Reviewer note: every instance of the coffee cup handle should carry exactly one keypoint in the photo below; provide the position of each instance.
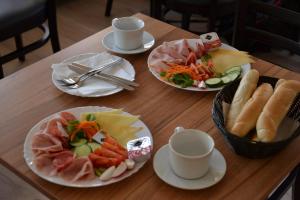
(178, 129)
(115, 20)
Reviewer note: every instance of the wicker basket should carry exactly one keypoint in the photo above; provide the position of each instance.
(245, 146)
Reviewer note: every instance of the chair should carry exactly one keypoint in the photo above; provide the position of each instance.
(108, 7)
(211, 9)
(19, 16)
(249, 29)
(292, 180)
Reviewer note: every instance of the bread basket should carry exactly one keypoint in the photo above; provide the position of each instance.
(245, 146)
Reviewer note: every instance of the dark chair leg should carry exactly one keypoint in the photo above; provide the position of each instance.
(19, 45)
(212, 16)
(185, 23)
(108, 7)
(152, 4)
(1, 70)
(290, 180)
(156, 9)
(296, 186)
(53, 26)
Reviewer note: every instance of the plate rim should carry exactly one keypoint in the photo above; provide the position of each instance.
(164, 147)
(31, 166)
(245, 68)
(129, 52)
(109, 92)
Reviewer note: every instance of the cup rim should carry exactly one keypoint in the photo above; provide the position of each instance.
(194, 156)
(135, 18)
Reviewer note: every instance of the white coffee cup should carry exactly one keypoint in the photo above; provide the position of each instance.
(189, 152)
(128, 32)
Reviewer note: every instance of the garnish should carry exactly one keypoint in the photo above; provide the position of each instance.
(163, 74)
(184, 80)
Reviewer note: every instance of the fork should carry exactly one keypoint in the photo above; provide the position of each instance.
(78, 79)
(115, 82)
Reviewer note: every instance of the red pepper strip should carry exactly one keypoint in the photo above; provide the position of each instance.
(112, 141)
(115, 149)
(100, 161)
(101, 151)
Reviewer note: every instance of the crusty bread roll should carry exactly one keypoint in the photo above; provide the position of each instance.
(241, 96)
(279, 82)
(247, 119)
(276, 109)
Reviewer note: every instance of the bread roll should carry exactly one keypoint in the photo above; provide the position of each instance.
(241, 96)
(280, 81)
(247, 119)
(276, 109)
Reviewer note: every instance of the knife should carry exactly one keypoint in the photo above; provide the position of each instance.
(85, 69)
(100, 76)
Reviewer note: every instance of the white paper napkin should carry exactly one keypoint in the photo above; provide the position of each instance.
(93, 85)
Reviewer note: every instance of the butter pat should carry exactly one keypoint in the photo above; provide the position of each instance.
(211, 41)
(139, 149)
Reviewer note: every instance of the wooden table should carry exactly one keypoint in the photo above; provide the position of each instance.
(28, 96)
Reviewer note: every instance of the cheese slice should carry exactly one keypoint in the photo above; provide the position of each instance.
(224, 59)
(117, 125)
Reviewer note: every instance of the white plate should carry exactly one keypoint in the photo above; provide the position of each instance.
(245, 68)
(164, 171)
(28, 155)
(125, 65)
(108, 43)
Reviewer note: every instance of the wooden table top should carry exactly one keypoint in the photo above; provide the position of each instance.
(28, 96)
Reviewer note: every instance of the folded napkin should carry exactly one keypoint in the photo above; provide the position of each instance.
(93, 86)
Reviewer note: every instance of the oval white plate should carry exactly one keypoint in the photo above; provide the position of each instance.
(28, 155)
(108, 43)
(125, 65)
(245, 68)
(164, 171)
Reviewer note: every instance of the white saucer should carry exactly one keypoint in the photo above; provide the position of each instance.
(108, 43)
(214, 175)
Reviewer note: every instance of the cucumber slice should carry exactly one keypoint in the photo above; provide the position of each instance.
(79, 142)
(233, 76)
(213, 82)
(226, 79)
(236, 69)
(83, 150)
(93, 145)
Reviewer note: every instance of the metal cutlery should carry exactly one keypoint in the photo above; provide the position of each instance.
(80, 83)
(79, 68)
(114, 81)
(78, 79)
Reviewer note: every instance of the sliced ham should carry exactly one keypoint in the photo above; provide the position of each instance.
(174, 52)
(184, 48)
(62, 159)
(79, 169)
(45, 143)
(68, 116)
(52, 155)
(52, 163)
(43, 163)
(55, 128)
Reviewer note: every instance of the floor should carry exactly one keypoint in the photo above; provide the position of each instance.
(14, 188)
(78, 19)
